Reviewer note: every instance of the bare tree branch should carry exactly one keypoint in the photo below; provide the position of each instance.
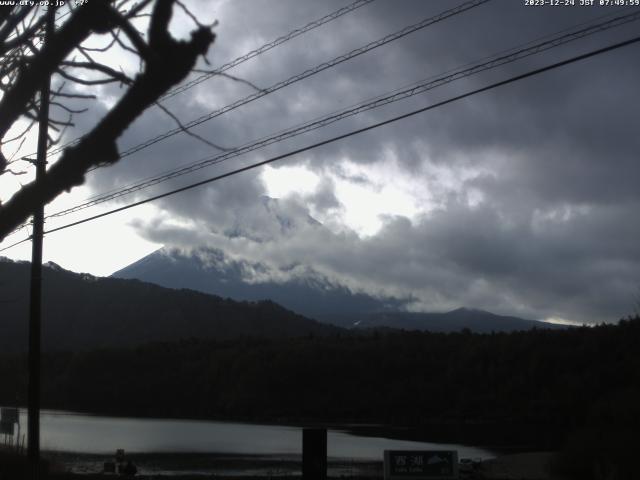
(230, 77)
(74, 95)
(82, 81)
(13, 19)
(20, 135)
(189, 132)
(136, 9)
(132, 34)
(124, 46)
(28, 33)
(101, 49)
(167, 62)
(44, 62)
(55, 141)
(189, 14)
(114, 74)
(11, 158)
(68, 109)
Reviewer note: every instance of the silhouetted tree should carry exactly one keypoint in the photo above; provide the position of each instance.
(27, 60)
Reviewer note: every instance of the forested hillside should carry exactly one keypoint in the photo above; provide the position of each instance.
(81, 311)
(558, 380)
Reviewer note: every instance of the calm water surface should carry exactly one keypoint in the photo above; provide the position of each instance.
(80, 433)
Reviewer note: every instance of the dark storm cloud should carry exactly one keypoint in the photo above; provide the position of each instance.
(552, 158)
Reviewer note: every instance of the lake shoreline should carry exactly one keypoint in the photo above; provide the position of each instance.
(81, 444)
(204, 465)
(525, 466)
(500, 437)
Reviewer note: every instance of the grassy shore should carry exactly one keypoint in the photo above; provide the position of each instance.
(191, 465)
(180, 466)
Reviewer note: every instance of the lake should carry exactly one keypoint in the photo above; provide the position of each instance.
(69, 432)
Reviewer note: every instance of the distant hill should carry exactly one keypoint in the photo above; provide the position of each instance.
(81, 311)
(478, 321)
(311, 297)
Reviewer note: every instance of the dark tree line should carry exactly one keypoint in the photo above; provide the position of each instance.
(563, 380)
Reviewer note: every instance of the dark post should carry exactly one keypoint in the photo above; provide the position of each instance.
(314, 454)
(33, 424)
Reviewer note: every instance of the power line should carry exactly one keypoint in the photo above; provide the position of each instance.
(104, 196)
(241, 59)
(510, 80)
(15, 33)
(308, 73)
(414, 89)
(16, 243)
(266, 47)
(293, 79)
(301, 76)
(248, 56)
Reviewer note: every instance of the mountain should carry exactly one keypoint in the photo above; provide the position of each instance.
(81, 311)
(478, 321)
(211, 271)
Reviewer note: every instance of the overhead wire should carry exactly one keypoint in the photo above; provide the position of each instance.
(237, 61)
(414, 84)
(266, 47)
(295, 78)
(412, 90)
(614, 22)
(247, 56)
(477, 91)
(308, 73)
(15, 244)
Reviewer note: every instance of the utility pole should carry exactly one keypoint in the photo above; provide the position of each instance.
(35, 310)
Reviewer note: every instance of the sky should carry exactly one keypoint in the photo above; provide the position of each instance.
(522, 200)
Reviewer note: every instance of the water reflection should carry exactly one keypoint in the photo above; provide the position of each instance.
(73, 432)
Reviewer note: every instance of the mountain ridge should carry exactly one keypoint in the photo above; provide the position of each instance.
(313, 297)
(473, 319)
(81, 311)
